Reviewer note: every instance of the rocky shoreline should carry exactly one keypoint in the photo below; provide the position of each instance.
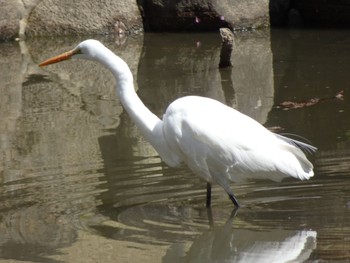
(30, 18)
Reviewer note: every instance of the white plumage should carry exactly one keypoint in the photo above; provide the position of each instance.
(218, 143)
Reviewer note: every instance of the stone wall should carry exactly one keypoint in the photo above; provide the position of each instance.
(20, 18)
(196, 15)
(57, 17)
(30, 18)
(64, 17)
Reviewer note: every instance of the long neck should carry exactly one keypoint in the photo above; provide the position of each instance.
(149, 124)
(144, 119)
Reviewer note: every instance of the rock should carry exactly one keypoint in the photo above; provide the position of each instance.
(63, 17)
(57, 17)
(10, 14)
(226, 47)
(196, 15)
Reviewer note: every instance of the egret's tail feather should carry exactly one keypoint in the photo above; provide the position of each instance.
(305, 147)
(298, 149)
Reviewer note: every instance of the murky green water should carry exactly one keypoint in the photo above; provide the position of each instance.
(79, 184)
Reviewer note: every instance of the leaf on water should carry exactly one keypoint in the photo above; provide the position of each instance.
(340, 95)
(288, 105)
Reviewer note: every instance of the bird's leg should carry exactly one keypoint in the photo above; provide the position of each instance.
(234, 200)
(210, 217)
(233, 213)
(208, 194)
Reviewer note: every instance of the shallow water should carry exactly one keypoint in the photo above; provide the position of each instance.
(79, 184)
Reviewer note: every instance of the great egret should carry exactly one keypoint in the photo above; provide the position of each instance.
(217, 142)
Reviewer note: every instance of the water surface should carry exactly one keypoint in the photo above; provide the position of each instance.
(79, 184)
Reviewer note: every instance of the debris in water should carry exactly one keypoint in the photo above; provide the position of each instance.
(289, 105)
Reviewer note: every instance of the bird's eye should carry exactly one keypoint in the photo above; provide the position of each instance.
(77, 51)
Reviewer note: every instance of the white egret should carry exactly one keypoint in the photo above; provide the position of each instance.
(218, 143)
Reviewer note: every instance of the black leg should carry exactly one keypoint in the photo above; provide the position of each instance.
(210, 217)
(234, 200)
(233, 213)
(208, 194)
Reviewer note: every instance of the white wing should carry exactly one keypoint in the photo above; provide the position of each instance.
(221, 144)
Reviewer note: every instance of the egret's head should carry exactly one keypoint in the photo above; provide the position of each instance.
(85, 50)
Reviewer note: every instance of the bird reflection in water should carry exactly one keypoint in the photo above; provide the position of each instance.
(227, 244)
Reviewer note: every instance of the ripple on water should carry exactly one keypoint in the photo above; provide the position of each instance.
(58, 190)
(166, 207)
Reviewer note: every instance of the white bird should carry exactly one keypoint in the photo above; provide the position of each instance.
(217, 143)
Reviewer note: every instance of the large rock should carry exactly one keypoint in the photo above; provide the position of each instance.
(162, 15)
(65, 17)
(10, 15)
(57, 17)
